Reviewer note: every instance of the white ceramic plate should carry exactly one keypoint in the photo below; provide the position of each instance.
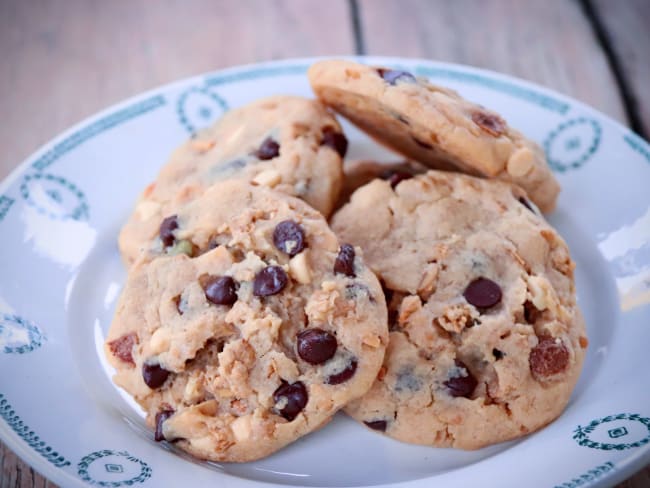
(60, 213)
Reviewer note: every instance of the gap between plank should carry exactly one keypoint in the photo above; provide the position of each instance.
(359, 44)
(630, 104)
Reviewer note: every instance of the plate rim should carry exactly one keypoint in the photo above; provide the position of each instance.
(623, 470)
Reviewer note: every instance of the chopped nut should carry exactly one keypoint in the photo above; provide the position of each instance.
(181, 247)
(328, 285)
(409, 306)
(147, 209)
(202, 146)
(584, 342)
(520, 163)
(241, 428)
(382, 373)
(269, 178)
(299, 268)
(193, 390)
(160, 340)
(427, 284)
(372, 341)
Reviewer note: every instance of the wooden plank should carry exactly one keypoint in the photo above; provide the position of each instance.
(549, 42)
(65, 59)
(626, 27)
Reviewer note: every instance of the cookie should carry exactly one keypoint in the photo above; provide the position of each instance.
(291, 144)
(357, 173)
(259, 338)
(434, 125)
(486, 339)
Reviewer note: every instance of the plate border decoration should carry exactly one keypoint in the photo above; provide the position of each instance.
(29, 436)
(86, 461)
(181, 113)
(80, 212)
(586, 155)
(36, 337)
(581, 434)
(168, 96)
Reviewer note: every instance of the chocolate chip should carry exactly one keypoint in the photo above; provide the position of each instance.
(220, 290)
(461, 386)
(295, 396)
(154, 375)
(483, 293)
(379, 425)
(526, 203)
(316, 345)
(167, 228)
(344, 262)
(122, 347)
(549, 357)
(160, 420)
(394, 176)
(269, 149)
(343, 376)
(531, 313)
(270, 281)
(490, 123)
(422, 144)
(497, 354)
(335, 140)
(289, 237)
(392, 76)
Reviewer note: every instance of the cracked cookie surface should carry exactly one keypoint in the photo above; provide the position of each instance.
(291, 144)
(434, 125)
(486, 339)
(255, 337)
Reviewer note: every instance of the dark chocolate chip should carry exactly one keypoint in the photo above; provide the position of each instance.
(422, 144)
(379, 425)
(122, 347)
(392, 76)
(289, 237)
(335, 140)
(167, 228)
(497, 354)
(160, 420)
(483, 293)
(154, 375)
(526, 203)
(394, 176)
(343, 376)
(295, 396)
(461, 386)
(490, 123)
(344, 262)
(270, 281)
(269, 149)
(531, 312)
(316, 345)
(549, 357)
(221, 290)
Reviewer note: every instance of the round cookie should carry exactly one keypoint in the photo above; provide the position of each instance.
(357, 173)
(434, 125)
(487, 341)
(292, 144)
(257, 340)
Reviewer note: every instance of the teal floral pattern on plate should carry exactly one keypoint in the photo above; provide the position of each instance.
(199, 107)
(572, 143)
(626, 430)
(17, 336)
(113, 469)
(29, 436)
(54, 196)
(591, 475)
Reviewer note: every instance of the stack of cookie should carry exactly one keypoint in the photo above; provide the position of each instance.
(438, 308)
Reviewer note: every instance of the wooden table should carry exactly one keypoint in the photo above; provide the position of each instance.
(66, 59)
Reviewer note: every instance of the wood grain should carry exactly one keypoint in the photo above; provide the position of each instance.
(549, 42)
(627, 25)
(66, 59)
